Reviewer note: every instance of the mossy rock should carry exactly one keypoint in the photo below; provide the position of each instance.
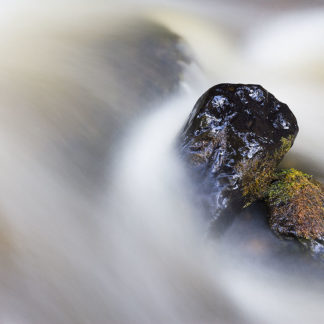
(296, 203)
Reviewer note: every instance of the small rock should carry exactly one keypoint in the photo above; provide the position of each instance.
(232, 142)
(296, 203)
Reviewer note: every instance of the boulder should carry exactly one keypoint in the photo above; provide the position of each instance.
(232, 143)
(296, 204)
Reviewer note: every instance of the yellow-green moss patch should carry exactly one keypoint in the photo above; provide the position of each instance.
(288, 183)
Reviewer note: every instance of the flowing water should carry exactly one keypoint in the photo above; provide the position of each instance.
(97, 223)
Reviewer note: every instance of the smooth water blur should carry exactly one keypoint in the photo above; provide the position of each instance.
(96, 217)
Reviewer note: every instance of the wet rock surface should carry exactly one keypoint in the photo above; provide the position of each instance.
(232, 143)
(296, 204)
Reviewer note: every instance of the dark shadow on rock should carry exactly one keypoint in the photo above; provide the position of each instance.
(250, 240)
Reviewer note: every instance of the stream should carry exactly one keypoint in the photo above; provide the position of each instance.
(97, 219)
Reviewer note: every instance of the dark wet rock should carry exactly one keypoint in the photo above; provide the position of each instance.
(296, 204)
(232, 142)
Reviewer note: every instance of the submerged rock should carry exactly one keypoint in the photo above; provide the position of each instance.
(122, 73)
(232, 142)
(296, 204)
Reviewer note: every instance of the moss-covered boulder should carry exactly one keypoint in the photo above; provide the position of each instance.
(232, 143)
(296, 204)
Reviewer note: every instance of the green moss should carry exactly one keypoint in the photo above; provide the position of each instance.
(286, 144)
(288, 184)
(256, 180)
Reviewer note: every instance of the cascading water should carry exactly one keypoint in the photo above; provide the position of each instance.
(98, 223)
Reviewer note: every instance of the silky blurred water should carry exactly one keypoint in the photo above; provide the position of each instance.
(96, 215)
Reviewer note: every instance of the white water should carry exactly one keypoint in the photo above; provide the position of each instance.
(135, 253)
